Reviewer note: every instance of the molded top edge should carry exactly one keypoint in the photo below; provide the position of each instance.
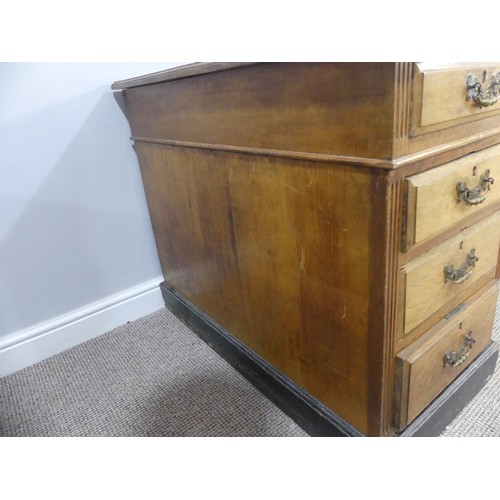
(185, 71)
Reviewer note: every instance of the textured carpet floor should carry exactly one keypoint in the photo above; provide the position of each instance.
(151, 377)
(154, 377)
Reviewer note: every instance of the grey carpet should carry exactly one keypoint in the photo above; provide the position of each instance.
(154, 377)
(150, 377)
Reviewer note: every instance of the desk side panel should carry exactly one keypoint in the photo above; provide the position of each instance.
(344, 109)
(285, 255)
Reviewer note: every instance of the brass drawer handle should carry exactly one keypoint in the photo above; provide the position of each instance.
(464, 271)
(483, 97)
(456, 358)
(478, 194)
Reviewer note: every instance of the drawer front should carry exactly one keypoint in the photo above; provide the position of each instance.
(445, 96)
(436, 277)
(443, 196)
(432, 362)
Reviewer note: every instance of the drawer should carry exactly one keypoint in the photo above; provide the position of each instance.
(446, 96)
(433, 361)
(441, 197)
(439, 275)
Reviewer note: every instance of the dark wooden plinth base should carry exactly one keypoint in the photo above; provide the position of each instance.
(309, 413)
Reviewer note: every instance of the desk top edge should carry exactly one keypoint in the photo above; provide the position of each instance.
(203, 68)
(184, 71)
(181, 72)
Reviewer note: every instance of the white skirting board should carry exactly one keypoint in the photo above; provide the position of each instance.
(26, 347)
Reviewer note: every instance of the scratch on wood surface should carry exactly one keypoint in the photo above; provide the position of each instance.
(302, 266)
(296, 191)
(328, 367)
(344, 313)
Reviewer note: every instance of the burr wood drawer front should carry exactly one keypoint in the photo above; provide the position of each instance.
(441, 274)
(444, 196)
(436, 358)
(450, 95)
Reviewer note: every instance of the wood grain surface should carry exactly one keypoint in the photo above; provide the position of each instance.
(286, 255)
(343, 109)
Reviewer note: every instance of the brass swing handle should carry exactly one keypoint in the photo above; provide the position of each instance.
(464, 271)
(456, 358)
(483, 97)
(477, 195)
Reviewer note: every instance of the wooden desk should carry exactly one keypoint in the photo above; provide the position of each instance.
(332, 229)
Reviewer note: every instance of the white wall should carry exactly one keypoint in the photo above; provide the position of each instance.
(75, 234)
